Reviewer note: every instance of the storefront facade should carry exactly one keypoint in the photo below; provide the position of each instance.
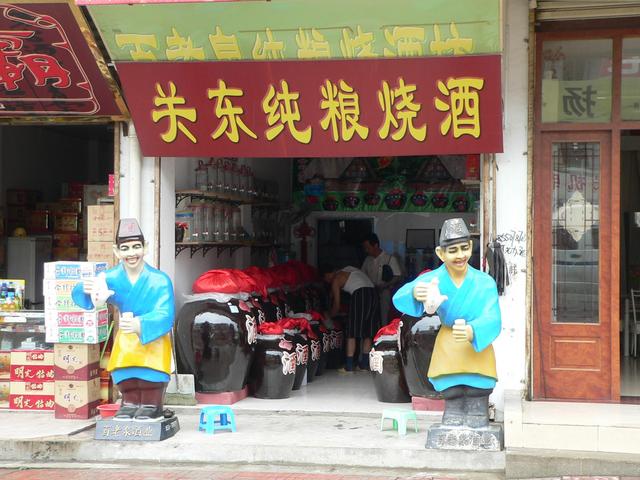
(272, 128)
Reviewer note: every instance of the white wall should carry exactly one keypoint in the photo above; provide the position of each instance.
(178, 174)
(511, 202)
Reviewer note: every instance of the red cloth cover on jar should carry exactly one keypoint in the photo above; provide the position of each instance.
(390, 329)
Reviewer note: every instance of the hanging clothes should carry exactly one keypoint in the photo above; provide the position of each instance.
(498, 268)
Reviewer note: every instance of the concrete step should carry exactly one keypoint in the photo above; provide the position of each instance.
(538, 462)
(313, 440)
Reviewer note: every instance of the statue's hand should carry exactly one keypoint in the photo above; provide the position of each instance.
(429, 294)
(129, 323)
(461, 331)
(98, 289)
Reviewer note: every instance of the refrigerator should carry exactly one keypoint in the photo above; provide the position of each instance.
(25, 260)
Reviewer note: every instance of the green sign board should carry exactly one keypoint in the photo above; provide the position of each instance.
(387, 184)
(298, 29)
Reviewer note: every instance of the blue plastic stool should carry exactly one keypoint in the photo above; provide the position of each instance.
(400, 419)
(217, 417)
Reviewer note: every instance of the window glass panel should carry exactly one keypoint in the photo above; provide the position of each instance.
(576, 81)
(630, 100)
(575, 226)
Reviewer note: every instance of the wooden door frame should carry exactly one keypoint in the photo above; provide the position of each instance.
(615, 128)
(608, 267)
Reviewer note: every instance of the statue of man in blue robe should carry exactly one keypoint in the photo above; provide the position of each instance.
(463, 366)
(140, 362)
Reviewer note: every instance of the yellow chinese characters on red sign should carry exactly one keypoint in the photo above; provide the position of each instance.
(309, 107)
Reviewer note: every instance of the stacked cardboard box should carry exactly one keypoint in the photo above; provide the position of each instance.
(32, 380)
(100, 233)
(65, 322)
(76, 334)
(77, 380)
(5, 372)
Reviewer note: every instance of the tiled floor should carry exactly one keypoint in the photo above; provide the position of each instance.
(630, 376)
(330, 392)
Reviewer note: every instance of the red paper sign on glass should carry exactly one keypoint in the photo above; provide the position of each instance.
(408, 106)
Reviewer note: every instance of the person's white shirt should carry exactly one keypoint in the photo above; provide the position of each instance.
(372, 266)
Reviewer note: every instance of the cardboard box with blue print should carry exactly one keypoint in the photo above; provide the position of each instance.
(72, 270)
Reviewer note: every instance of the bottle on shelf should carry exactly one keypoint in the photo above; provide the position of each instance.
(218, 216)
(226, 223)
(227, 175)
(198, 230)
(201, 176)
(209, 225)
(212, 175)
(236, 225)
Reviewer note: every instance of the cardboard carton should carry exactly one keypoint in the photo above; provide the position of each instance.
(100, 223)
(73, 270)
(31, 366)
(101, 252)
(65, 222)
(5, 365)
(32, 395)
(77, 399)
(80, 318)
(95, 334)
(4, 393)
(76, 362)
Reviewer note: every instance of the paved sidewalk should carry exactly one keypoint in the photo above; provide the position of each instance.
(137, 473)
(206, 474)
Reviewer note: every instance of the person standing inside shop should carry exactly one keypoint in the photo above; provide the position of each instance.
(364, 310)
(383, 270)
(463, 364)
(140, 362)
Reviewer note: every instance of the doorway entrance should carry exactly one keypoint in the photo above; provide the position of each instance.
(572, 286)
(629, 264)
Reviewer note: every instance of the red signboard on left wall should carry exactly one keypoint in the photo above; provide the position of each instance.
(47, 67)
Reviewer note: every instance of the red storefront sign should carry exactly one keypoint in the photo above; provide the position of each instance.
(46, 66)
(408, 106)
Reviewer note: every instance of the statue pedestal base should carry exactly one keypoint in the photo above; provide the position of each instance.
(108, 429)
(448, 437)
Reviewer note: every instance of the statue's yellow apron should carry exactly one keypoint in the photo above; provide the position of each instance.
(451, 357)
(129, 352)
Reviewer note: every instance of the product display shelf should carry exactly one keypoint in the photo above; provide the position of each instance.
(18, 327)
(222, 197)
(194, 247)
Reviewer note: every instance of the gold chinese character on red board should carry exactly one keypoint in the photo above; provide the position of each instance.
(282, 110)
(343, 108)
(462, 104)
(168, 102)
(230, 116)
(400, 110)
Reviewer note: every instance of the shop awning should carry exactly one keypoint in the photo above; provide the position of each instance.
(50, 67)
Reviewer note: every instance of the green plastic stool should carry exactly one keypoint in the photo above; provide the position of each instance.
(400, 419)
